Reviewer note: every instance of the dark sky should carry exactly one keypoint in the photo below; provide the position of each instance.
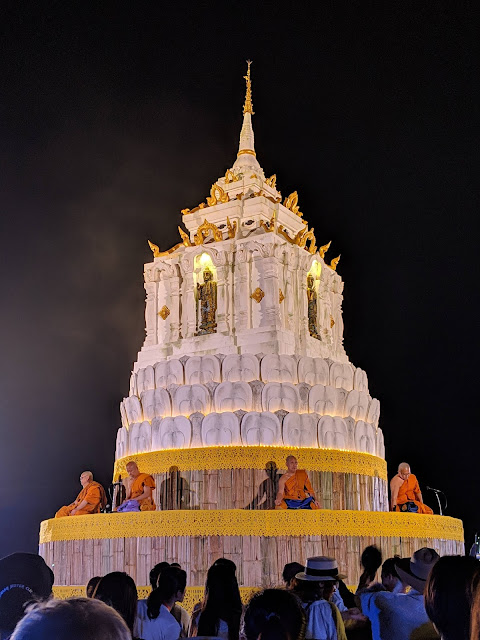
(116, 115)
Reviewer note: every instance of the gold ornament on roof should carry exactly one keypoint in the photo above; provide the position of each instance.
(185, 212)
(269, 226)
(272, 181)
(334, 262)
(204, 230)
(323, 250)
(164, 312)
(248, 106)
(291, 203)
(281, 297)
(307, 236)
(232, 228)
(155, 249)
(258, 295)
(214, 199)
(185, 237)
(231, 177)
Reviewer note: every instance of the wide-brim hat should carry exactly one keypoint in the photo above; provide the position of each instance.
(320, 569)
(24, 577)
(414, 571)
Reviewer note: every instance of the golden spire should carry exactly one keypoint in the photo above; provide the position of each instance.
(248, 107)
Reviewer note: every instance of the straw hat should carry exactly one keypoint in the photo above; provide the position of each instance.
(320, 569)
(414, 571)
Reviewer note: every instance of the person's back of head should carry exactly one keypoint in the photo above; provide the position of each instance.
(118, 590)
(290, 570)
(71, 619)
(274, 614)
(222, 601)
(371, 559)
(226, 562)
(448, 595)
(390, 578)
(155, 572)
(170, 588)
(92, 585)
(24, 578)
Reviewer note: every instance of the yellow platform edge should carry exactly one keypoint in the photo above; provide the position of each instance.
(237, 522)
(254, 457)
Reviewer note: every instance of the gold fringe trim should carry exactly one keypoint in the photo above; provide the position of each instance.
(236, 522)
(255, 457)
(192, 594)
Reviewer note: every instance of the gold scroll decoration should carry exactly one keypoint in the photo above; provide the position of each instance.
(185, 238)
(324, 248)
(160, 254)
(232, 228)
(231, 177)
(272, 181)
(291, 203)
(204, 230)
(334, 262)
(217, 195)
(269, 226)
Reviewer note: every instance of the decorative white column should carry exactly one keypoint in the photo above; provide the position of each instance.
(150, 314)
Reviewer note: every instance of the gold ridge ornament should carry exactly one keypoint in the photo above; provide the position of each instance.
(272, 181)
(232, 228)
(334, 262)
(204, 230)
(213, 199)
(291, 203)
(268, 227)
(185, 237)
(323, 249)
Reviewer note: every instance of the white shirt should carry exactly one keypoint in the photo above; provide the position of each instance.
(165, 627)
(320, 621)
(394, 616)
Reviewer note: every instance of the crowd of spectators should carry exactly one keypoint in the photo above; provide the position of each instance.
(418, 598)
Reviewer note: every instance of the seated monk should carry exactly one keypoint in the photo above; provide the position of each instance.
(404, 488)
(91, 498)
(294, 489)
(139, 487)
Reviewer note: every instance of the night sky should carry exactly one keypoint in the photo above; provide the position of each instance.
(114, 116)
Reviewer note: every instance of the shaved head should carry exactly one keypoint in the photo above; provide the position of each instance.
(89, 474)
(403, 465)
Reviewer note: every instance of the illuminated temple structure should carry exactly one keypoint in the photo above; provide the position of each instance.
(243, 363)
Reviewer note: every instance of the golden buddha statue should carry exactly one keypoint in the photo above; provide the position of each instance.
(312, 307)
(207, 299)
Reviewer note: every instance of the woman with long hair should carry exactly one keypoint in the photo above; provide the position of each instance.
(118, 590)
(274, 614)
(221, 609)
(160, 623)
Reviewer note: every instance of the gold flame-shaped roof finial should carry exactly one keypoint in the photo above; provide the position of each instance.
(248, 107)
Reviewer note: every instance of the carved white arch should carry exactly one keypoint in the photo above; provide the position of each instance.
(140, 437)
(275, 368)
(123, 415)
(240, 368)
(168, 372)
(280, 396)
(356, 404)
(156, 403)
(221, 429)
(322, 400)
(121, 449)
(233, 396)
(341, 375)
(300, 430)
(202, 369)
(373, 413)
(133, 409)
(313, 371)
(171, 433)
(261, 428)
(145, 379)
(360, 381)
(191, 398)
(365, 437)
(333, 433)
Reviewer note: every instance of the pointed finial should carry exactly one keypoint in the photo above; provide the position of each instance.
(248, 107)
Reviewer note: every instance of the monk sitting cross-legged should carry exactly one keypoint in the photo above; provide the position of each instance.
(139, 488)
(404, 488)
(294, 489)
(90, 499)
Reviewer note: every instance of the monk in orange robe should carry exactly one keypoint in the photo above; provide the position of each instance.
(294, 489)
(90, 499)
(404, 488)
(139, 487)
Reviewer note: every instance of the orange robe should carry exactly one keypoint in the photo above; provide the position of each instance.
(295, 488)
(93, 493)
(407, 493)
(143, 479)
